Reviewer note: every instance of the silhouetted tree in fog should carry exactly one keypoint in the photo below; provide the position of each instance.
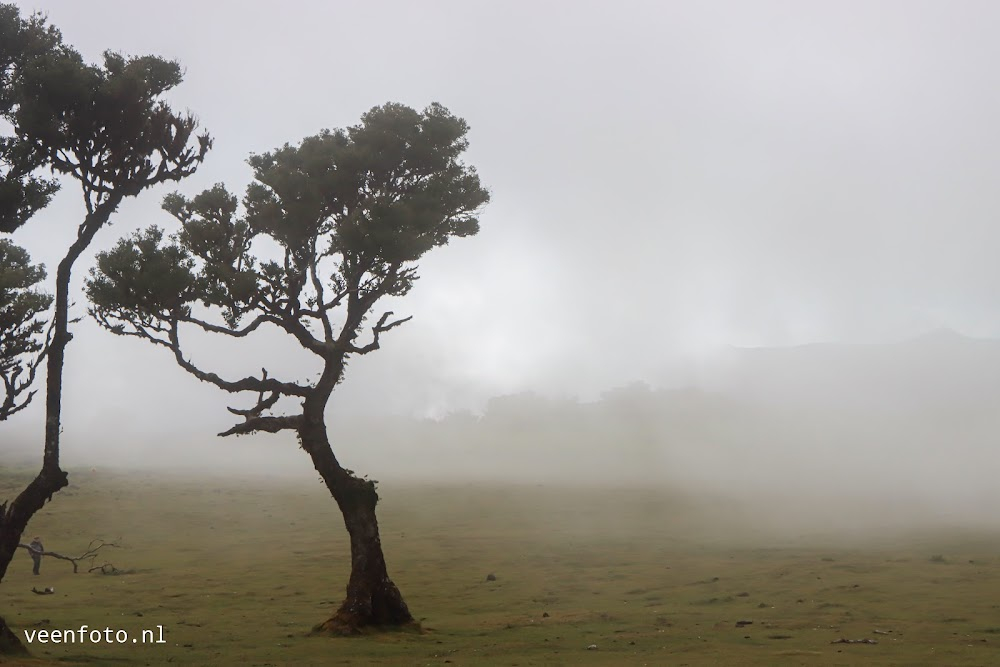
(22, 194)
(352, 212)
(105, 127)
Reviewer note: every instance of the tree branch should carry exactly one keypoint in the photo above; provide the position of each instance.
(246, 384)
(262, 402)
(266, 424)
(379, 328)
(324, 316)
(235, 333)
(90, 554)
(137, 331)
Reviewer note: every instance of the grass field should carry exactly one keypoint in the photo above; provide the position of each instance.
(237, 571)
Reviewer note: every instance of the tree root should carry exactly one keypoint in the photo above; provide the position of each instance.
(344, 624)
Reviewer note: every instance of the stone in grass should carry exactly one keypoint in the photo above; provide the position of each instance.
(491, 577)
(592, 647)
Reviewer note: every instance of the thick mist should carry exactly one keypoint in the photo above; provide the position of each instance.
(733, 249)
(850, 438)
(839, 435)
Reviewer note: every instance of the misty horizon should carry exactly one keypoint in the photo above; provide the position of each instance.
(907, 428)
(768, 204)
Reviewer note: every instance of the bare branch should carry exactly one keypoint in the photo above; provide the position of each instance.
(317, 284)
(119, 328)
(302, 334)
(93, 549)
(266, 424)
(246, 384)
(262, 402)
(235, 333)
(379, 328)
(14, 388)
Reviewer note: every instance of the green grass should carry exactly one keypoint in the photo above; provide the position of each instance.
(238, 571)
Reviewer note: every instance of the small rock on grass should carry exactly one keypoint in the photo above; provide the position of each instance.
(592, 647)
(491, 577)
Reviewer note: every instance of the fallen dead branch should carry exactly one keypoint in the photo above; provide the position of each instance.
(91, 554)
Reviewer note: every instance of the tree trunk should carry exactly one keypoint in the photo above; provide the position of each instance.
(373, 600)
(13, 520)
(9, 643)
(51, 478)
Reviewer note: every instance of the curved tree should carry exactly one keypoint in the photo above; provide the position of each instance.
(352, 212)
(107, 127)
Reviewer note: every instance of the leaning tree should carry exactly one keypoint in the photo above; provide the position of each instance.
(346, 215)
(107, 127)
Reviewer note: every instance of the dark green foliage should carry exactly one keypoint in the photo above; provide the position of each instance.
(23, 42)
(160, 277)
(21, 306)
(106, 126)
(352, 210)
(388, 190)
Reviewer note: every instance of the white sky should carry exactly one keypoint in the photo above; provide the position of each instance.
(667, 177)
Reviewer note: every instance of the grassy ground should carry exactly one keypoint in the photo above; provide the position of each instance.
(236, 572)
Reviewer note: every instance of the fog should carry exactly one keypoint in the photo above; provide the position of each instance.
(733, 247)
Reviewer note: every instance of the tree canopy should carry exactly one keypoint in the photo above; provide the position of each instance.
(106, 126)
(23, 42)
(351, 211)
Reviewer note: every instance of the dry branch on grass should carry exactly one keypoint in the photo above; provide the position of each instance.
(91, 554)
